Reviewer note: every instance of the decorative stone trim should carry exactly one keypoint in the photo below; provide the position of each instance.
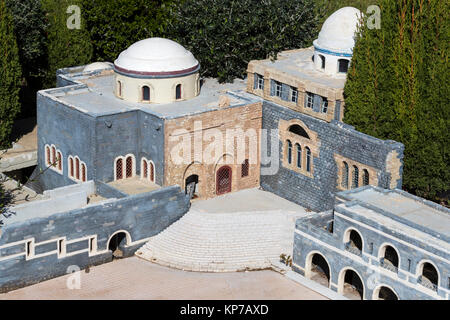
(373, 173)
(393, 166)
(313, 143)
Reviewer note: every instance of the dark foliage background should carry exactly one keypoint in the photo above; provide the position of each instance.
(398, 88)
(226, 34)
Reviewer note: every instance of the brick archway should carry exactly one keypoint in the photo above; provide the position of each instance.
(223, 180)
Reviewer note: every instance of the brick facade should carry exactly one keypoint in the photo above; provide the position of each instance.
(199, 130)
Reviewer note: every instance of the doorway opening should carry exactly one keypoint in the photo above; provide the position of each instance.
(351, 285)
(223, 179)
(191, 188)
(116, 244)
(319, 270)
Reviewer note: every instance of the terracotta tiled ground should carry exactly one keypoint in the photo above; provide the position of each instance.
(135, 278)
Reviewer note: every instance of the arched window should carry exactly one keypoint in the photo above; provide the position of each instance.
(71, 171)
(298, 130)
(343, 65)
(83, 172)
(145, 93)
(59, 160)
(129, 167)
(152, 171)
(308, 159)
(429, 277)
(389, 258)
(119, 88)
(178, 92)
(355, 179)
(77, 168)
(289, 151)
(322, 61)
(245, 168)
(144, 167)
(47, 153)
(385, 293)
(353, 242)
(299, 155)
(119, 169)
(54, 156)
(366, 178)
(345, 175)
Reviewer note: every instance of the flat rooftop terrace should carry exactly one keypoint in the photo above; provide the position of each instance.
(94, 95)
(299, 63)
(134, 185)
(411, 214)
(29, 205)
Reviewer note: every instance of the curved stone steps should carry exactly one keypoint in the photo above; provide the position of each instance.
(222, 242)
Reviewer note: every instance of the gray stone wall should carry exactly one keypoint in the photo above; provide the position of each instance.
(318, 193)
(71, 132)
(97, 141)
(332, 247)
(141, 216)
(151, 143)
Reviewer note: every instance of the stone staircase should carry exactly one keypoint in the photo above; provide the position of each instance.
(223, 242)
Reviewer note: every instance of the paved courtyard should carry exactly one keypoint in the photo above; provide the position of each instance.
(134, 278)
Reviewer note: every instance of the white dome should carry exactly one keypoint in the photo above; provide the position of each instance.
(97, 66)
(338, 31)
(155, 55)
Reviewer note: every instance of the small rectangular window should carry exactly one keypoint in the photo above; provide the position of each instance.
(371, 248)
(259, 82)
(61, 246)
(343, 65)
(294, 94)
(28, 249)
(324, 105)
(309, 100)
(91, 245)
(409, 264)
(245, 168)
(278, 89)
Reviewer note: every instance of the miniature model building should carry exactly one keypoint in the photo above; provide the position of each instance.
(114, 134)
(123, 121)
(377, 244)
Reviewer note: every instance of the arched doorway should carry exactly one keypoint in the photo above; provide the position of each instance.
(389, 258)
(353, 242)
(429, 276)
(318, 269)
(191, 186)
(384, 293)
(351, 285)
(115, 243)
(223, 180)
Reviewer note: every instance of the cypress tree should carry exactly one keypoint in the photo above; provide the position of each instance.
(397, 88)
(29, 30)
(66, 47)
(10, 75)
